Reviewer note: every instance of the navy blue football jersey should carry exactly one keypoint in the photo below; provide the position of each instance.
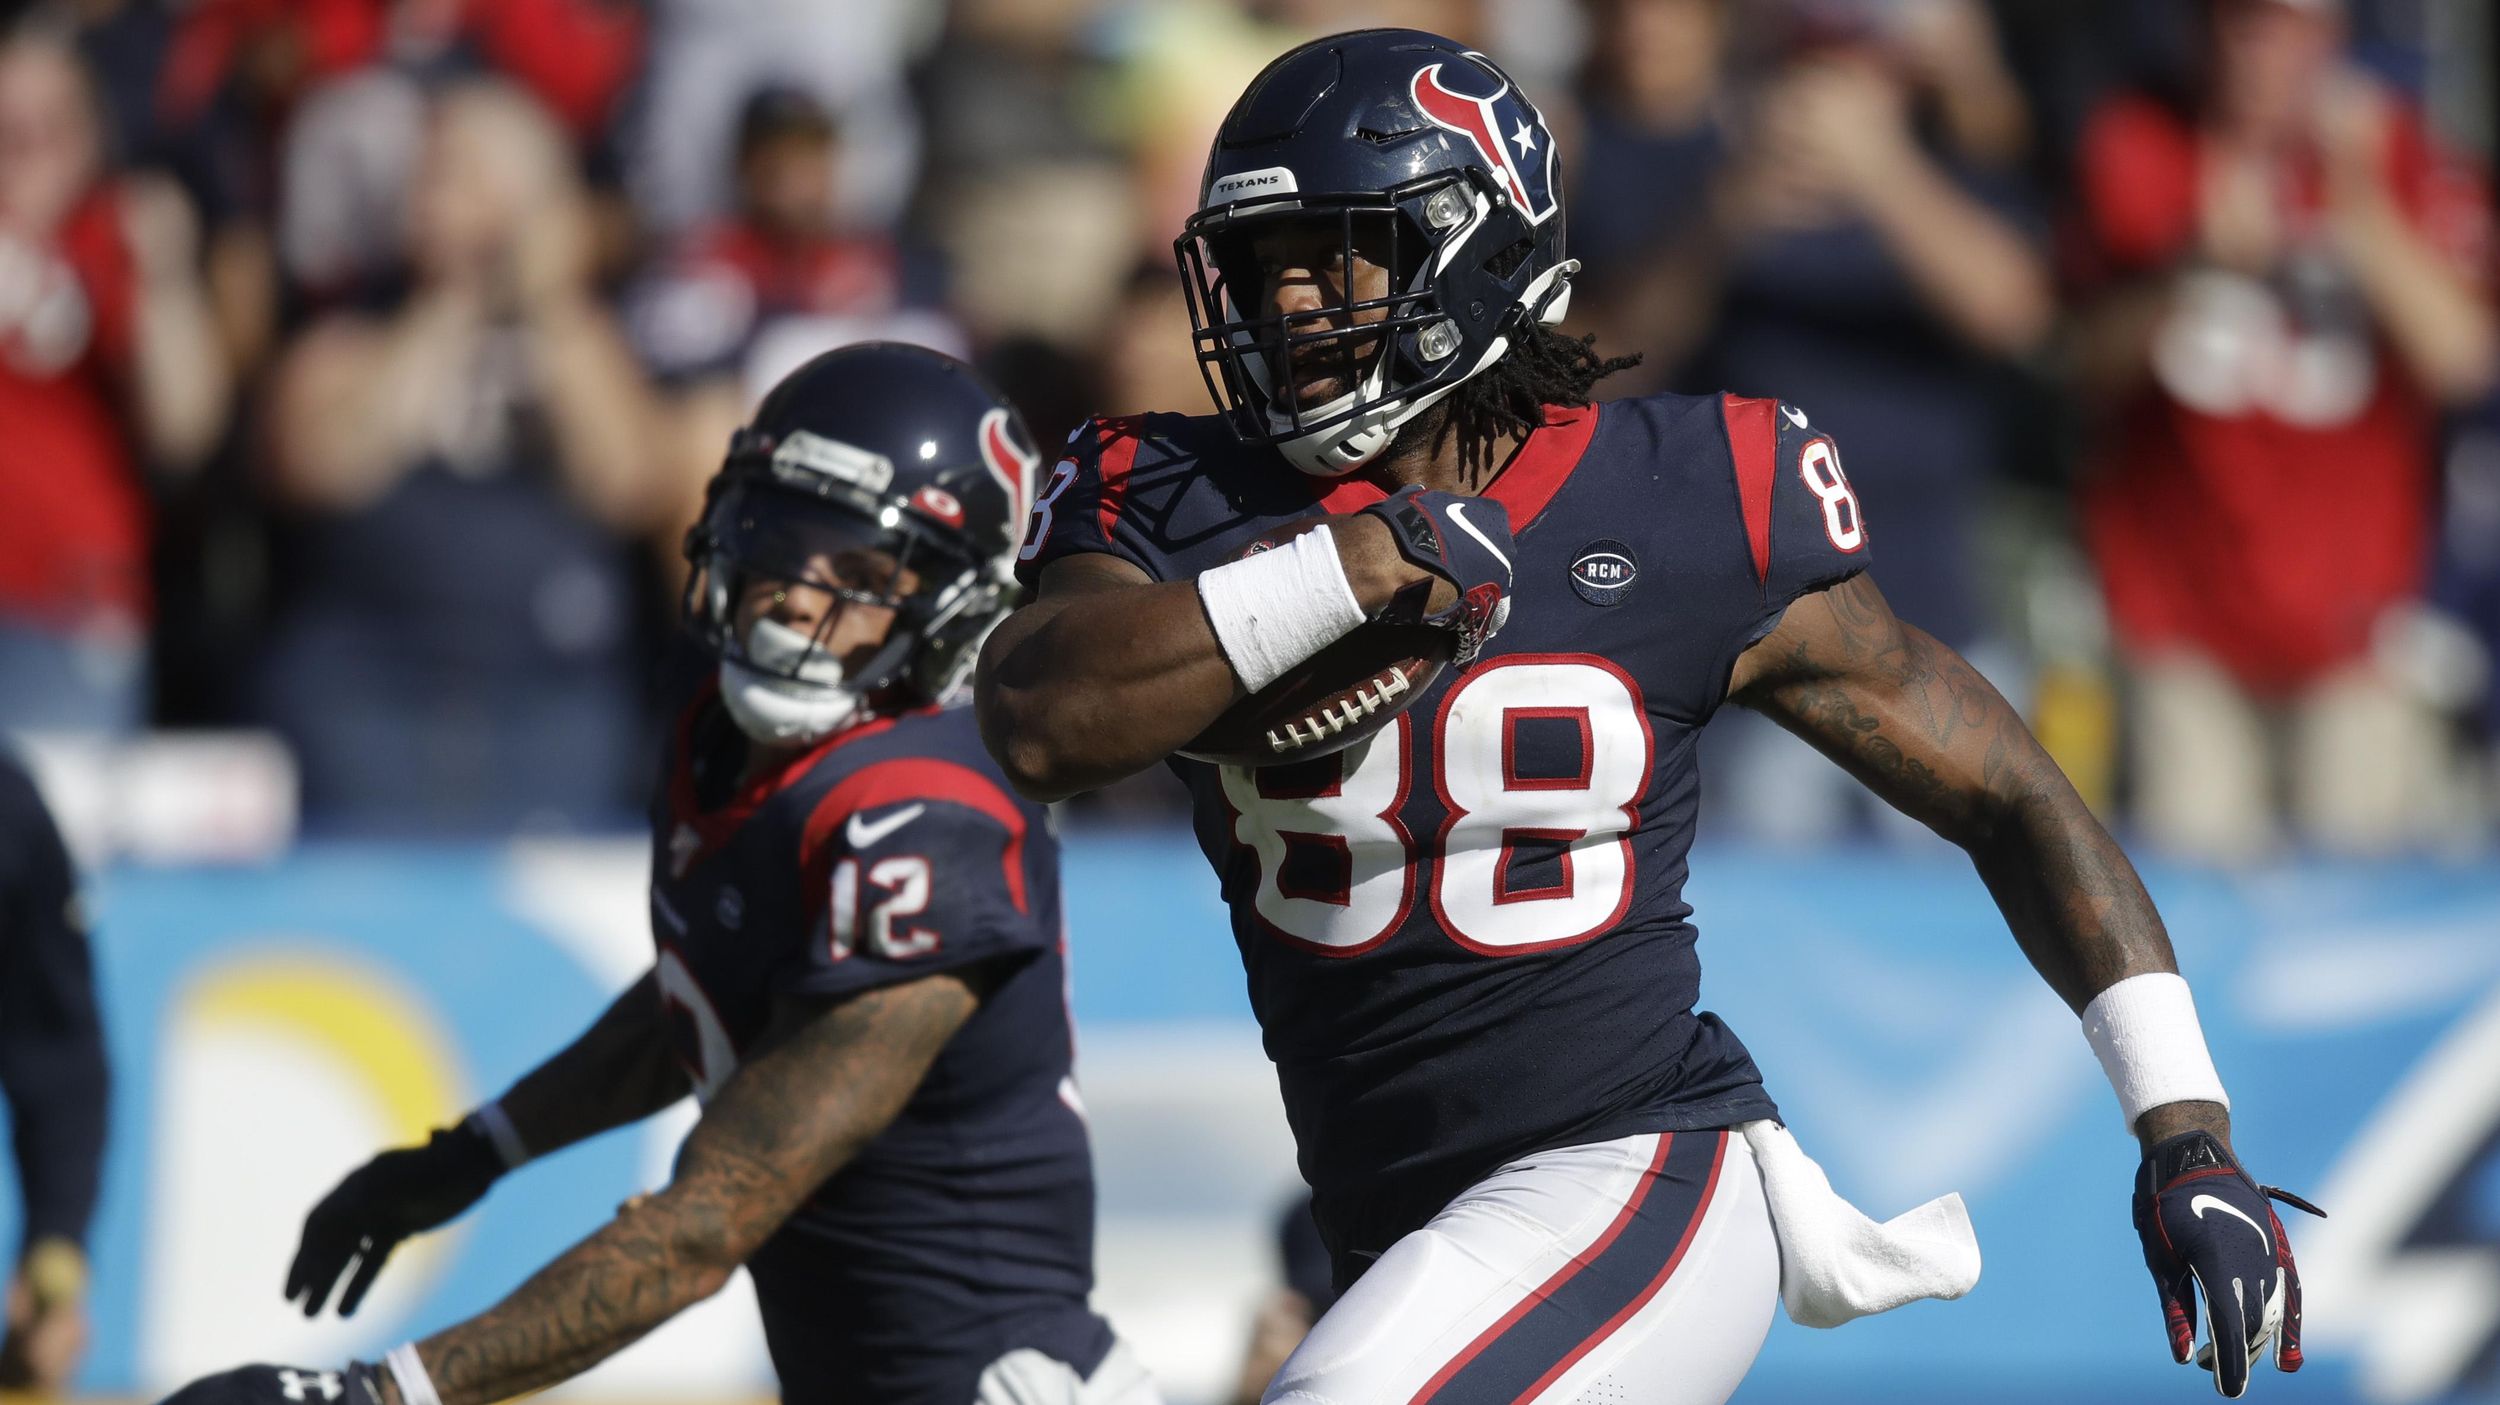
(891, 851)
(1466, 938)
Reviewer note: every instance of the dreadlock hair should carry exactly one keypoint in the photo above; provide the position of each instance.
(1542, 367)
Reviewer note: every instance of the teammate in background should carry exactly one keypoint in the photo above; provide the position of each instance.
(53, 1070)
(859, 969)
(1465, 936)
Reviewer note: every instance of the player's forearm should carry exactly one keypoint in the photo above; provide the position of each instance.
(832, 1078)
(1079, 693)
(1968, 765)
(2068, 893)
(653, 1261)
(2083, 918)
(1923, 729)
(619, 1071)
(1104, 676)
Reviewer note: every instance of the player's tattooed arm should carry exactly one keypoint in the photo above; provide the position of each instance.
(620, 1070)
(828, 1081)
(1914, 721)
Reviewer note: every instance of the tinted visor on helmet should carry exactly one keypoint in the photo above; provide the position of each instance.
(1363, 338)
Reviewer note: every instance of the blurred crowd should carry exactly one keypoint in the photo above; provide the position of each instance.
(361, 361)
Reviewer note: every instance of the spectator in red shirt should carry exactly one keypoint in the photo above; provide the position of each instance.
(108, 365)
(2282, 303)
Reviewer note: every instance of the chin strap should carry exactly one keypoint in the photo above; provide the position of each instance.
(1342, 448)
(770, 709)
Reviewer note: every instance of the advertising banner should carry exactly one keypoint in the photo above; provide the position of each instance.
(273, 1026)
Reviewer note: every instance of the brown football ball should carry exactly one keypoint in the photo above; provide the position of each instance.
(1331, 700)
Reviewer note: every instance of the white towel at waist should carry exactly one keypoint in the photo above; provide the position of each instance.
(1835, 1263)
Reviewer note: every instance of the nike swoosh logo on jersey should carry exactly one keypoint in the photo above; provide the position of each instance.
(1458, 512)
(863, 834)
(2198, 1205)
(1795, 417)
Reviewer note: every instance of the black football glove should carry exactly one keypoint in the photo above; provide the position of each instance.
(396, 1194)
(2208, 1231)
(1465, 541)
(359, 1384)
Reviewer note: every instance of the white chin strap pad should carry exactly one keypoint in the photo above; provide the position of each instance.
(1340, 449)
(1336, 452)
(771, 708)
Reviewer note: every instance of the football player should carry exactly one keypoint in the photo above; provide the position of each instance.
(858, 970)
(1465, 935)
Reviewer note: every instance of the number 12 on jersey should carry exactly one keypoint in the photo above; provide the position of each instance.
(1350, 827)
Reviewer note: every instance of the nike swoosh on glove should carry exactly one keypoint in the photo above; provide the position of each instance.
(359, 1384)
(2208, 1231)
(1465, 541)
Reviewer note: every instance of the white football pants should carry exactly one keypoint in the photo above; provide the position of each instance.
(1641, 1271)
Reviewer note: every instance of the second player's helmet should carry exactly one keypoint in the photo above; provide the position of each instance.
(1405, 135)
(880, 452)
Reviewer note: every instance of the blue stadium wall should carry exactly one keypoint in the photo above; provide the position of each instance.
(270, 1025)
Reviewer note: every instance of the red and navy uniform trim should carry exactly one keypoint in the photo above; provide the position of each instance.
(1115, 445)
(1548, 1333)
(1753, 436)
(1524, 487)
(895, 782)
(712, 828)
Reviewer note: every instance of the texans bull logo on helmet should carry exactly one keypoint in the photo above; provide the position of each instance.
(1009, 462)
(1504, 127)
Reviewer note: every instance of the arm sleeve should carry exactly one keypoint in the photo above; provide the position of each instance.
(939, 886)
(52, 1062)
(1083, 505)
(1805, 529)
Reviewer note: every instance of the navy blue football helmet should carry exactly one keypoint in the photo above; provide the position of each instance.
(879, 453)
(1426, 157)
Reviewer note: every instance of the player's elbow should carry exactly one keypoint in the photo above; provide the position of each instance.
(1040, 769)
(1012, 702)
(1025, 728)
(2017, 816)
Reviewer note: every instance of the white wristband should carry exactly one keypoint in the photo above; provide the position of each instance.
(501, 1134)
(2145, 1031)
(1275, 609)
(415, 1386)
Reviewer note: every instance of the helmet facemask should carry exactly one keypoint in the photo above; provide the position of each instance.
(776, 570)
(1411, 352)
